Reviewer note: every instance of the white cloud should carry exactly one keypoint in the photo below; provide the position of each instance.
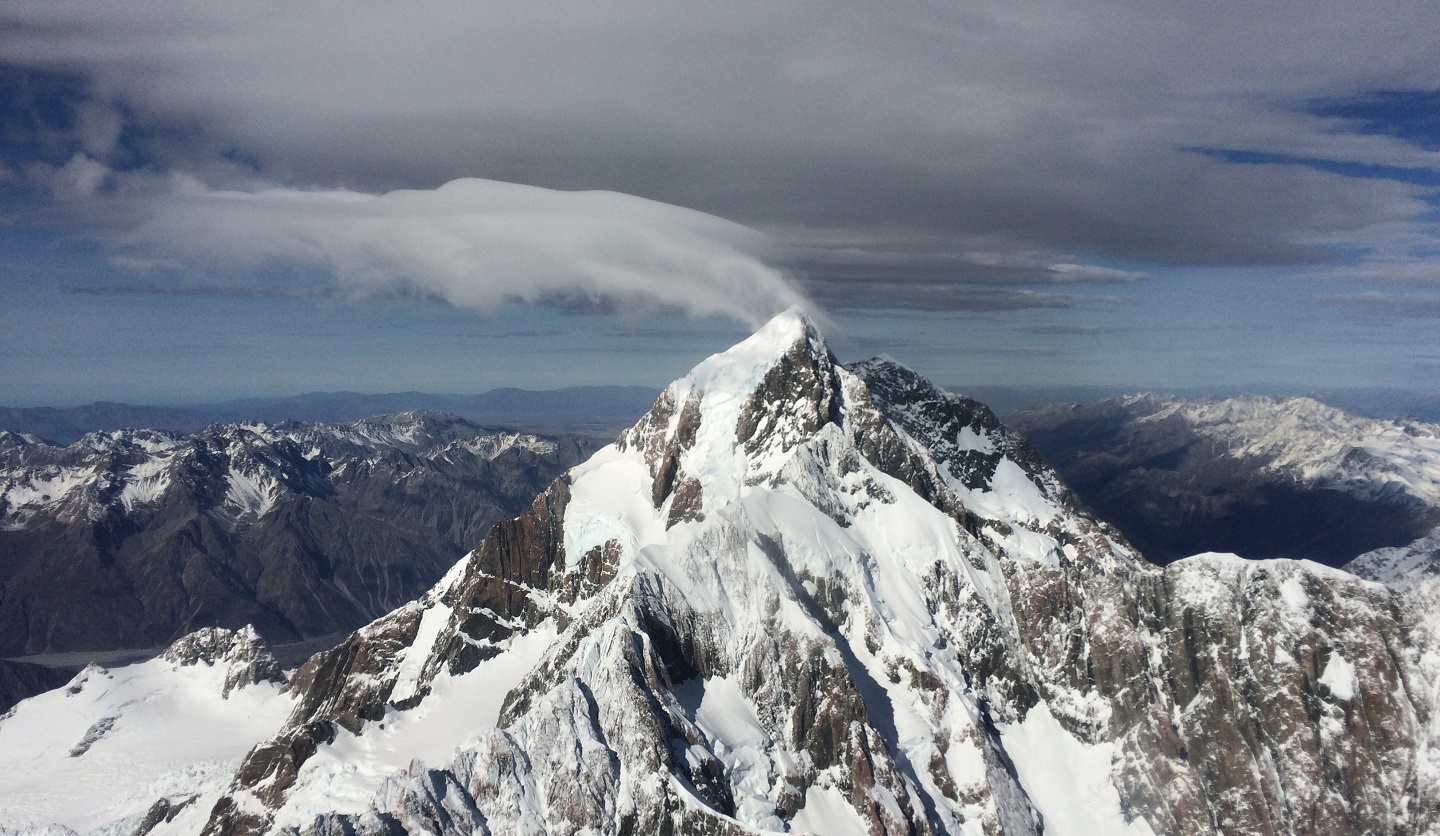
(77, 179)
(476, 244)
(1091, 273)
(98, 127)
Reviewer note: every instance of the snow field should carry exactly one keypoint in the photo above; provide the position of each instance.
(170, 733)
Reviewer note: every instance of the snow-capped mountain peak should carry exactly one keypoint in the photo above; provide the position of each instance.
(797, 597)
(766, 511)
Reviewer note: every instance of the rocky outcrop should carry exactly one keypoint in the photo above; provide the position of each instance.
(485, 600)
(130, 539)
(242, 653)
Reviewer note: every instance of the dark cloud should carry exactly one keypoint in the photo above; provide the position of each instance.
(985, 143)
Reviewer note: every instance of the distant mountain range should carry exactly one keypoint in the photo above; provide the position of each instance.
(591, 410)
(1371, 402)
(597, 411)
(131, 538)
(1259, 476)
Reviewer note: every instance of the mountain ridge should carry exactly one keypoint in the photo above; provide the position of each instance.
(955, 647)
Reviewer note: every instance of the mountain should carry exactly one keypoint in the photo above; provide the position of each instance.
(592, 410)
(799, 597)
(1262, 477)
(1413, 572)
(131, 538)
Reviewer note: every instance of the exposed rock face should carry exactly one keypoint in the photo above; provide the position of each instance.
(241, 652)
(20, 680)
(878, 611)
(1412, 573)
(132, 538)
(1261, 477)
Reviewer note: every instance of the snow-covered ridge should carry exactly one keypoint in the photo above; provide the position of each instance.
(1402, 567)
(258, 462)
(300, 529)
(1313, 443)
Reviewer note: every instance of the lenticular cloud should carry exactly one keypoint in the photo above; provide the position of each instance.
(478, 244)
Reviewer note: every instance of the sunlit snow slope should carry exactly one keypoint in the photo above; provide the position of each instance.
(145, 748)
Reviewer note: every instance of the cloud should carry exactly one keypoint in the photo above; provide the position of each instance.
(200, 291)
(891, 144)
(1388, 305)
(1400, 269)
(850, 258)
(477, 244)
(98, 127)
(79, 178)
(1063, 330)
(946, 296)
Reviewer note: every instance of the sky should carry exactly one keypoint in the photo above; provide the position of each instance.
(203, 201)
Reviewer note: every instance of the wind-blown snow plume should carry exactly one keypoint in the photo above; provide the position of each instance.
(478, 244)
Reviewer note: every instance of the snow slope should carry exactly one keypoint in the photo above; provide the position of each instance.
(100, 753)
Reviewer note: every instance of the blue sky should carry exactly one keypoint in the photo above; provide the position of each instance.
(202, 203)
